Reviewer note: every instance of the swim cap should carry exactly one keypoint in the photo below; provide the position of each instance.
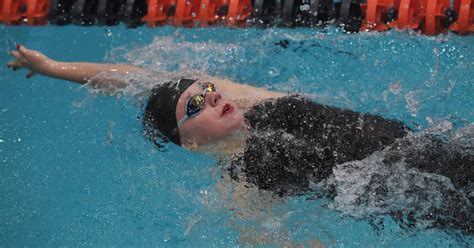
(160, 112)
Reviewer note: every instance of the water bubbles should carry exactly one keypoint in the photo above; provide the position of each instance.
(273, 72)
(375, 186)
(110, 136)
(304, 7)
(429, 120)
(438, 127)
(192, 221)
(396, 87)
(413, 103)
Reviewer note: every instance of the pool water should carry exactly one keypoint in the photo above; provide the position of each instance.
(76, 170)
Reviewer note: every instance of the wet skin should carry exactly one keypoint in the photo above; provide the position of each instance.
(219, 119)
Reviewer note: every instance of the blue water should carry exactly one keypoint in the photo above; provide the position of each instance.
(75, 169)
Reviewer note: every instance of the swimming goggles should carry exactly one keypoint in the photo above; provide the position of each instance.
(196, 103)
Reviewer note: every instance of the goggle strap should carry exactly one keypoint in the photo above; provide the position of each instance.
(181, 122)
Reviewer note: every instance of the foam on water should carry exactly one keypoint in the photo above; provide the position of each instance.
(372, 187)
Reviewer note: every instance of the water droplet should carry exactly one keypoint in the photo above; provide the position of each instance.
(396, 87)
(273, 72)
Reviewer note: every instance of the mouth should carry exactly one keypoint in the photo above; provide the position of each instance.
(227, 109)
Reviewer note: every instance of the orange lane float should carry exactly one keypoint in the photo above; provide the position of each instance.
(12, 11)
(159, 11)
(409, 14)
(239, 11)
(37, 12)
(186, 12)
(433, 16)
(33, 12)
(465, 22)
(376, 12)
(208, 11)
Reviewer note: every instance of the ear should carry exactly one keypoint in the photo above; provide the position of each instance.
(190, 145)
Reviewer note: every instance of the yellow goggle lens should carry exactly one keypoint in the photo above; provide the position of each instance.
(209, 87)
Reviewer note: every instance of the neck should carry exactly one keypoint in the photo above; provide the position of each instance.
(228, 146)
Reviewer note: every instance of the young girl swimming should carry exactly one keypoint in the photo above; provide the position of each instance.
(290, 145)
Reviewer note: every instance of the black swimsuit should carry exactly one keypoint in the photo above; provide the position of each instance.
(297, 143)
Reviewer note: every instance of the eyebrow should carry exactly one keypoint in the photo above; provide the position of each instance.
(187, 96)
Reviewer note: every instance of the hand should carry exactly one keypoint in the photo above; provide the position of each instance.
(34, 61)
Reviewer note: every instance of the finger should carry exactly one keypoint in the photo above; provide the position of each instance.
(28, 54)
(17, 56)
(14, 64)
(23, 50)
(30, 74)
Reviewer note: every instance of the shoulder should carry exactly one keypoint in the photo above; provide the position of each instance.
(285, 101)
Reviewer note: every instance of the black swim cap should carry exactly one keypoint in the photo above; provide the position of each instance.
(160, 113)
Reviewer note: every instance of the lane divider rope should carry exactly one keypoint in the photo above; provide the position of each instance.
(430, 17)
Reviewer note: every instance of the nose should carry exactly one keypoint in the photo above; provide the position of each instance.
(213, 98)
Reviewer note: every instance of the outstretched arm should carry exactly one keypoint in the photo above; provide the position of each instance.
(108, 77)
(92, 73)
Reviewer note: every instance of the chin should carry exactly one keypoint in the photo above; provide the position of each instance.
(237, 121)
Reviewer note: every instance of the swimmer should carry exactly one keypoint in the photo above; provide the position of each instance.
(290, 145)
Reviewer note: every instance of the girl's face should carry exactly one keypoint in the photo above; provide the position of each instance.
(218, 119)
